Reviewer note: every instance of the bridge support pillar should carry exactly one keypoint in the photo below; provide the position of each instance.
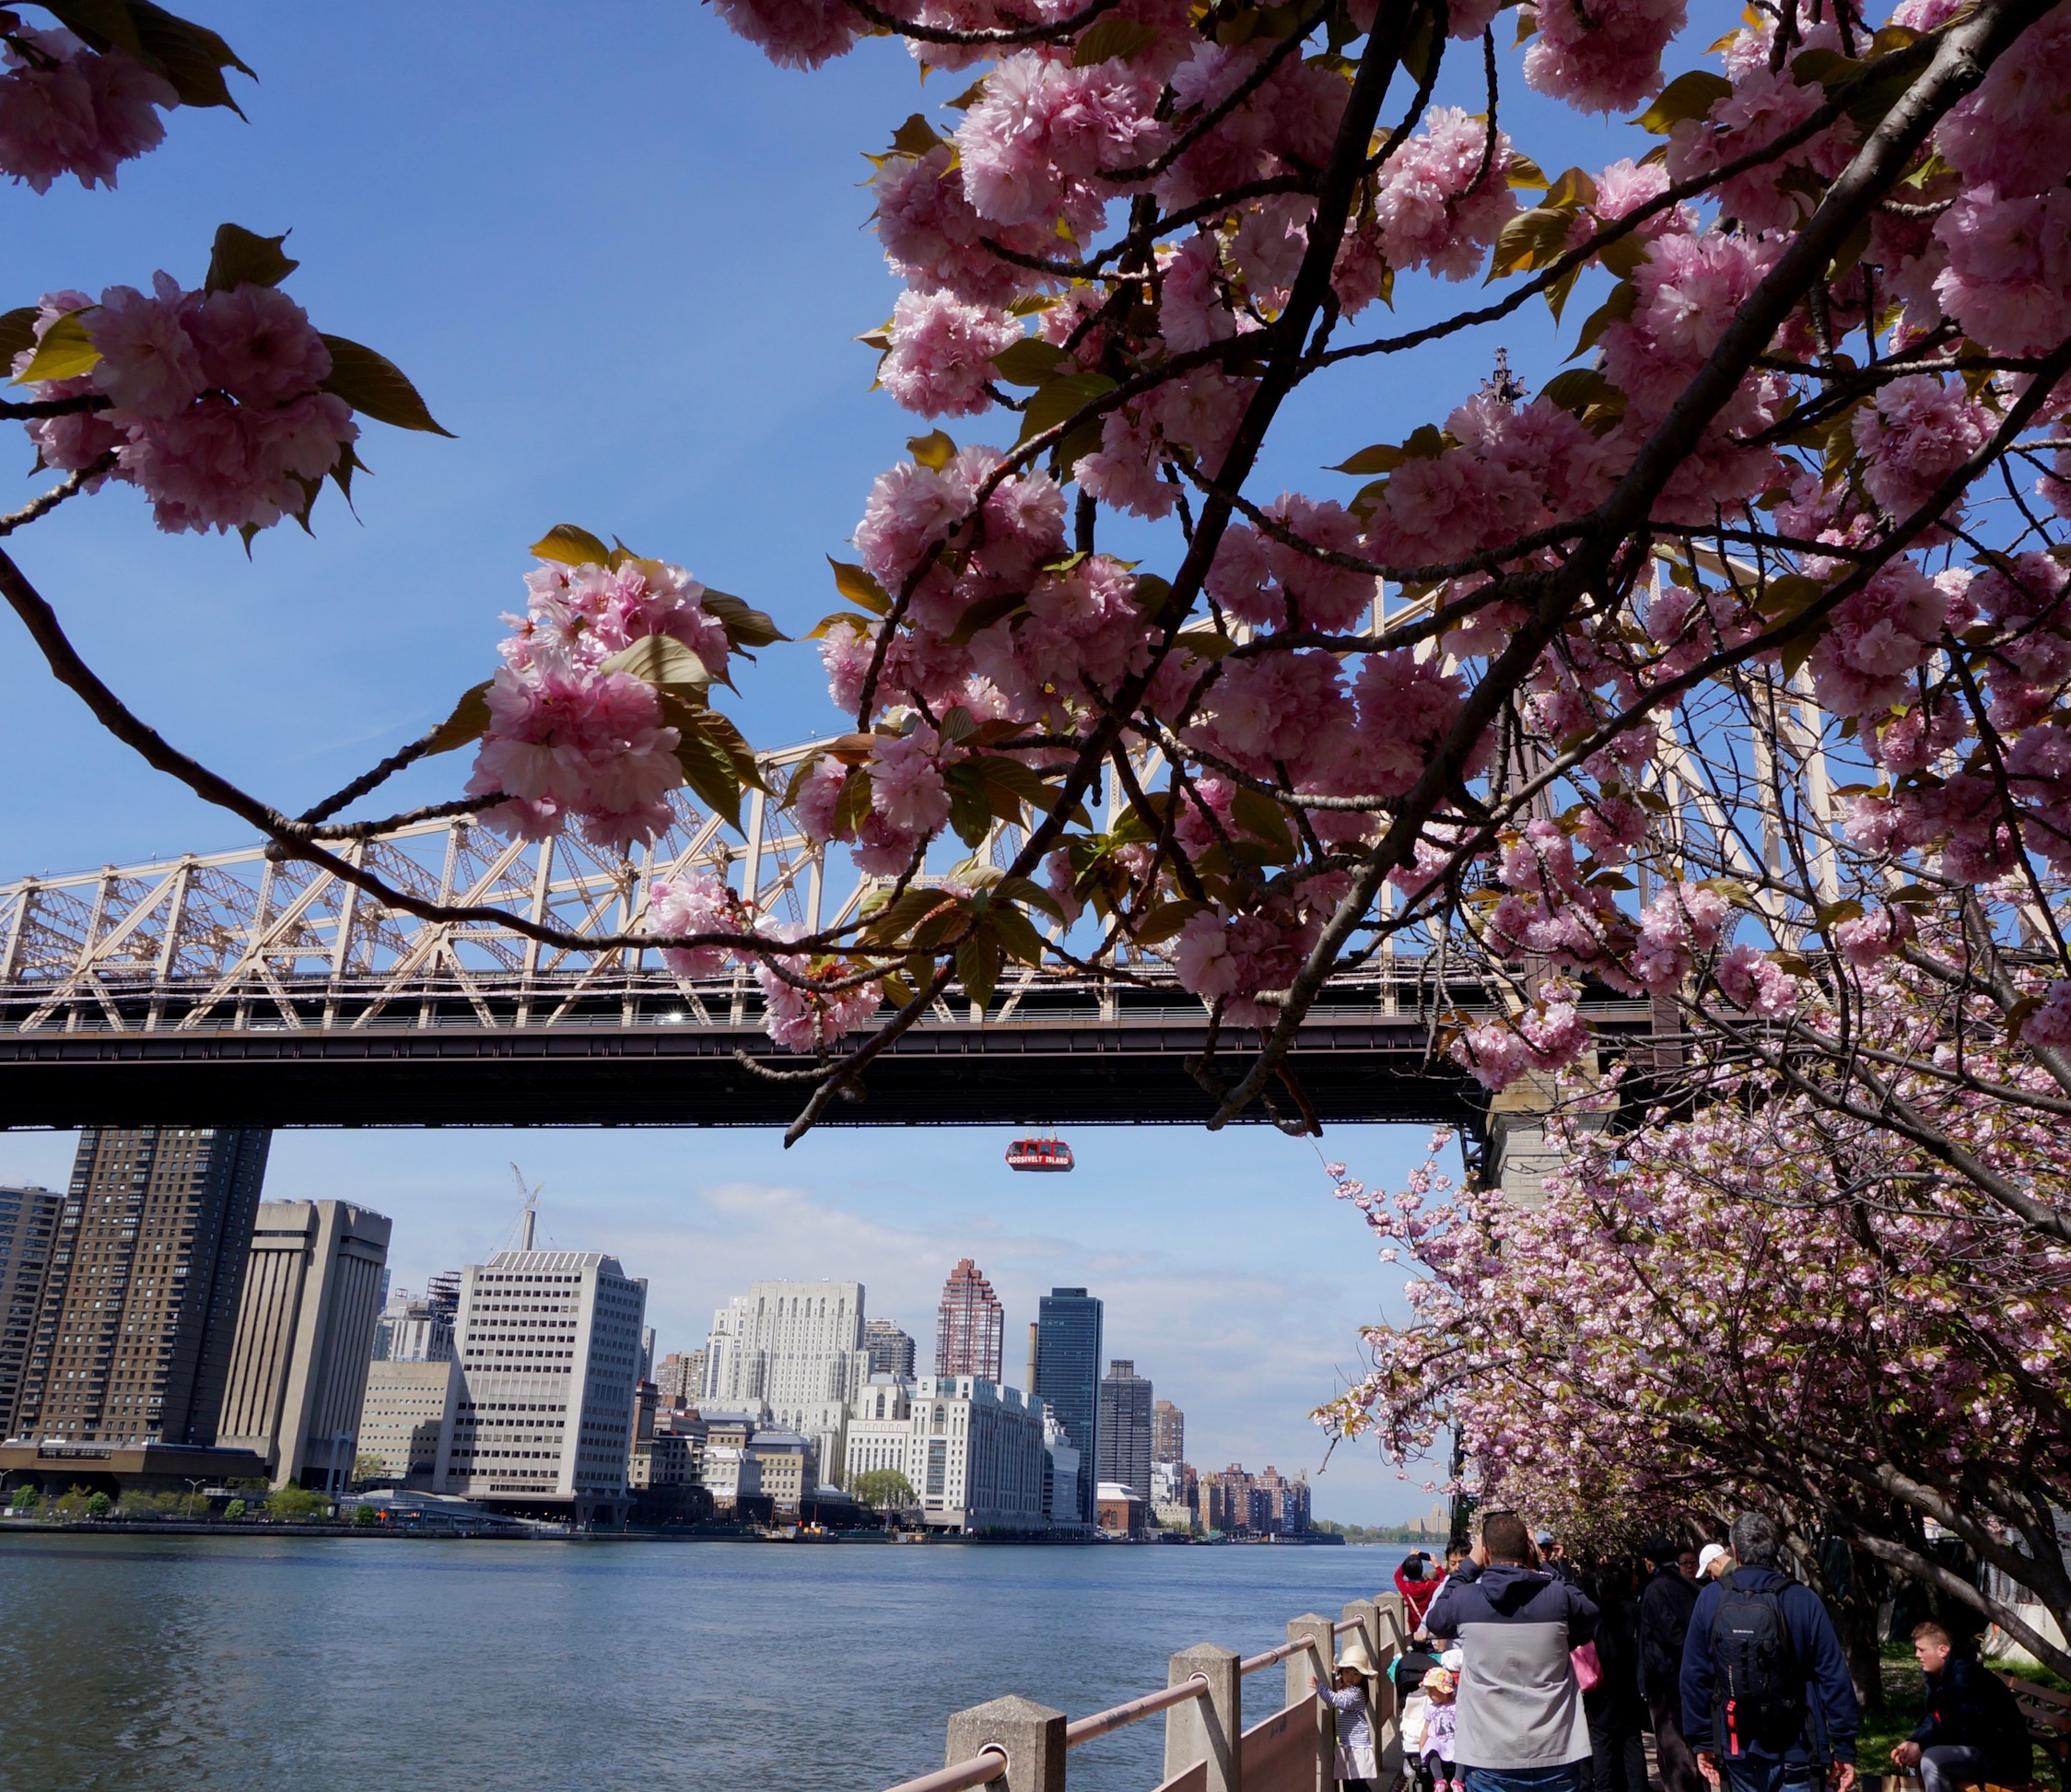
(1206, 1731)
(1518, 1157)
(1308, 1669)
(1031, 1734)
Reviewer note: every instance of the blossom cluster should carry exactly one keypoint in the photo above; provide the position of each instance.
(215, 401)
(67, 109)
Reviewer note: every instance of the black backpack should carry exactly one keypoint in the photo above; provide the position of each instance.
(1758, 1684)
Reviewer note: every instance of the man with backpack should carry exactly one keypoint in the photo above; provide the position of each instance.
(1766, 1698)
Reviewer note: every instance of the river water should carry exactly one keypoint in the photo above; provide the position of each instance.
(342, 1665)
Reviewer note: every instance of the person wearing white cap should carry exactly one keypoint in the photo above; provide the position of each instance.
(1355, 1765)
(1712, 1562)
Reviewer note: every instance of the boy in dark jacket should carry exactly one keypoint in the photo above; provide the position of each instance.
(1738, 1745)
(1521, 1726)
(1973, 1730)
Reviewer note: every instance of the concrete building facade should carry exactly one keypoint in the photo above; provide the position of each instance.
(28, 1218)
(795, 1347)
(139, 1307)
(1067, 1379)
(1125, 1429)
(414, 1328)
(406, 1419)
(312, 1288)
(548, 1348)
(972, 1451)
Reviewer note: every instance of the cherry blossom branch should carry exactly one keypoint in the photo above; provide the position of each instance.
(1052, 33)
(42, 505)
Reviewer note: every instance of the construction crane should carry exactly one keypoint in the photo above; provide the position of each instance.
(520, 1238)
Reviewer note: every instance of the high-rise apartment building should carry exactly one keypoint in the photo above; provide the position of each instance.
(139, 1309)
(1067, 1379)
(548, 1346)
(678, 1379)
(797, 1348)
(891, 1351)
(970, 1326)
(1168, 1432)
(28, 1229)
(406, 1419)
(1125, 1429)
(312, 1291)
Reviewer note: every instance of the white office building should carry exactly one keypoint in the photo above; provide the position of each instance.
(1061, 1487)
(797, 1349)
(973, 1452)
(548, 1349)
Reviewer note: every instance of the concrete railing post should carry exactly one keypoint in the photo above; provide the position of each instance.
(1207, 1730)
(1309, 1668)
(1031, 1734)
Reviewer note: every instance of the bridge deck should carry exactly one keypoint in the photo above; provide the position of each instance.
(647, 1051)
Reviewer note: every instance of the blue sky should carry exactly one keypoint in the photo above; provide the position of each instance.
(624, 260)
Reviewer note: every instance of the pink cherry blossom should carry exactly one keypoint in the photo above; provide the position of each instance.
(795, 33)
(68, 110)
(1434, 210)
(1751, 981)
(1605, 58)
(942, 353)
(696, 902)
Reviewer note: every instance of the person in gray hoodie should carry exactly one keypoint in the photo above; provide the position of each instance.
(1522, 1727)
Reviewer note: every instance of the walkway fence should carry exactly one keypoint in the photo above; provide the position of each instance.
(1016, 1745)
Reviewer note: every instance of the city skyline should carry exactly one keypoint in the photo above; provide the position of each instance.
(1239, 1292)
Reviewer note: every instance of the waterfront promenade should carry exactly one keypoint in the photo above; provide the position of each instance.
(139, 1662)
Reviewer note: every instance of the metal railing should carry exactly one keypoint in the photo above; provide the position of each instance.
(1022, 1744)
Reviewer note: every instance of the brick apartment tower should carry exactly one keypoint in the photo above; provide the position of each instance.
(970, 1326)
(139, 1307)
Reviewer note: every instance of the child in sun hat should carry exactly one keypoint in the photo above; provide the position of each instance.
(1356, 1765)
(1442, 1687)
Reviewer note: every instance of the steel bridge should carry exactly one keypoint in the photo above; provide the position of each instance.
(232, 988)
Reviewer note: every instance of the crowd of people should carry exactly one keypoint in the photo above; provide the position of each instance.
(1529, 1672)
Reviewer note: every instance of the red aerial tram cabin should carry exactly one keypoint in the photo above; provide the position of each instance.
(1039, 1155)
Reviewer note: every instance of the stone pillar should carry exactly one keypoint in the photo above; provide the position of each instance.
(1207, 1729)
(1306, 1670)
(1032, 1736)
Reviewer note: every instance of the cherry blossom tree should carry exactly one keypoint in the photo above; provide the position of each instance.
(1768, 1302)
(1832, 318)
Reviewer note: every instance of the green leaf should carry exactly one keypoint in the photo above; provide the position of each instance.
(984, 613)
(1582, 388)
(1062, 398)
(934, 450)
(745, 626)
(571, 545)
(1532, 239)
(970, 812)
(1205, 643)
(1017, 932)
(1028, 362)
(243, 258)
(915, 137)
(859, 588)
(190, 56)
(969, 98)
(827, 625)
(1615, 309)
(1262, 816)
(853, 803)
(958, 725)
(65, 352)
(688, 716)
(101, 23)
(1846, 909)
(1427, 443)
(1019, 889)
(662, 661)
(1574, 189)
(1524, 174)
(709, 771)
(375, 387)
(17, 332)
(1113, 37)
(1382, 457)
(977, 964)
(1689, 96)
(1021, 782)
(1166, 919)
(469, 721)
